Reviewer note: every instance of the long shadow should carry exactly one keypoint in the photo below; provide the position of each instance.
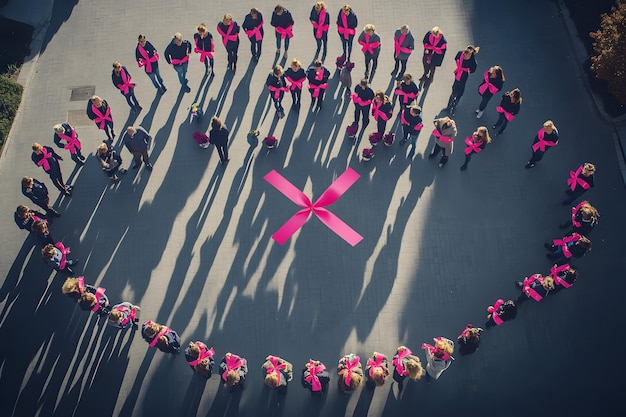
(61, 11)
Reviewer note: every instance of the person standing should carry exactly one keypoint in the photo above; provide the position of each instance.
(535, 286)
(547, 137)
(161, 337)
(435, 47)
(283, 24)
(579, 182)
(99, 111)
(469, 340)
(564, 276)
(200, 359)
(25, 217)
(147, 57)
(229, 30)
(42, 233)
(218, 136)
(137, 141)
(407, 90)
(321, 22)
(296, 75)
(315, 377)
(277, 86)
(509, 106)
(584, 219)
(45, 157)
(362, 99)
(500, 312)
(411, 123)
(277, 372)
(349, 373)
(65, 132)
(382, 110)
(465, 64)
(317, 75)
(475, 144)
(122, 80)
(233, 370)
(177, 54)
(37, 192)
(347, 22)
(445, 131)
(253, 26)
(205, 47)
(493, 79)
(110, 161)
(370, 46)
(406, 364)
(571, 246)
(55, 256)
(376, 370)
(403, 45)
(438, 356)
(124, 315)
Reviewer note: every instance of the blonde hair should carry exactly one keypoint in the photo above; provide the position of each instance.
(549, 124)
(435, 30)
(152, 329)
(369, 27)
(414, 368)
(272, 380)
(36, 146)
(589, 211)
(485, 134)
(320, 5)
(201, 28)
(443, 345)
(70, 285)
(96, 98)
(59, 128)
(115, 316)
(347, 8)
(27, 182)
(227, 18)
(278, 70)
(404, 27)
(589, 167)
(178, 36)
(548, 283)
(296, 62)
(103, 148)
(516, 94)
(232, 378)
(472, 49)
(378, 375)
(48, 251)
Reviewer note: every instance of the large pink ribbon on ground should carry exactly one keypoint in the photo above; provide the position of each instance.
(328, 197)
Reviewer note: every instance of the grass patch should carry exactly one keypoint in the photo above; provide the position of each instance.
(10, 97)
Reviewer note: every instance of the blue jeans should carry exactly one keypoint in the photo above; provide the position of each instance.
(181, 70)
(346, 44)
(130, 98)
(278, 38)
(501, 121)
(155, 76)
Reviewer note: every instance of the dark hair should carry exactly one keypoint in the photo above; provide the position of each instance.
(140, 37)
(216, 123)
(317, 63)
(279, 8)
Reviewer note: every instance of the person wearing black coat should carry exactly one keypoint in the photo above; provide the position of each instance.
(147, 57)
(122, 81)
(63, 132)
(229, 30)
(177, 54)
(320, 19)
(45, 157)
(411, 123)
(37, 192)
(347, 22)
(509, 106)
(435, 47)
(99, 111)
(584, 219)
(465, 64)
(493, 79)
(277, 85)
(218, 136)
(253, 26)
(318, 75)
(25, 217)
(205, 48)
(283, 24)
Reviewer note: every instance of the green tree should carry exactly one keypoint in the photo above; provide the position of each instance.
(609, 44)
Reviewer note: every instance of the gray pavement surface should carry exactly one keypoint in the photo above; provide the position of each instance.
(190, 242)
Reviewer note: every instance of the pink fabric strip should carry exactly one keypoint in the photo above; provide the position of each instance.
(163, 331)
(101, 119)
(331, 195)
(487, 85)
(444, 139)
(81, 284)
(44, 161)
(180, 61)
(529, 290)
(472, 146)
(233, 363)
(367, 46)
(99, 293)
(542, 144)
(312, 378)
(376, 112)
(202, 355)
(493, 310)
(509, 116)
(574, 179)
(319, 26)
(358, 101)
(406, 97)
(554, 273)
(575, 211)
(126, 84)
(285, 32)
(397, 45)
(373, 364)
(344, 30)
(147, 61)
(348, 370)
(72, 142)
(276, 91)
(432, 45)
(256, 32)
(295, 84)
(316, 89)
(204, 54)
(228, 37)
(458, 72)
(399, 364)
(64, 252)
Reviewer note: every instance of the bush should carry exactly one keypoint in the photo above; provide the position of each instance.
(10, 97)
(609, 61)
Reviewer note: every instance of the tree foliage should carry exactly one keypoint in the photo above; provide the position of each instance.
(609, 62)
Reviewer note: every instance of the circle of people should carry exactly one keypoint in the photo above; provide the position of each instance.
(277, 371)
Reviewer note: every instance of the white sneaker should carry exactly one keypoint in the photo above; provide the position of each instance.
(479, 114)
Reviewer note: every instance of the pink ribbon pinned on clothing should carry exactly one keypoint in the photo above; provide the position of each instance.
(319, 26)
(542, 144)
(487, 85)
(81, 284)
(203, 354)
(295, 84)
(417, 127)
(406, 97)
(99, 293)
(433, 41)
(458, 72)
(397, 46)
(316, 89)
(399, 364)
(376, 112)
(367, 46)
(373, 364)
(44, 161)
(72, 142)
(147, 61)
(444, 139)
(204, 54)
(227, 36)
(527, 288)
(574, 179)
(347, 371)
(472, 146)
(494, 312)
(64, 252)
(312, 378)
(285, 32)
(256, 32)
(575, 211)
(509, 116)
(344, 30)
(132, 314)
(180, 61)
(233, 363)
(328, 197)
(359, 101)
(276, 367)
(163, 331)
(126, 84)
(276, 91)
(101, 119)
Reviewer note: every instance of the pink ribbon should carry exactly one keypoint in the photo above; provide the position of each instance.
(373, 364)
(575, 211)
(99, 293)
(203, 354)
(147, 61)
(433, 41)
(399, 364)
(72, 141)
(487, 85)
(81, 284)
(509, 116)
(344, 30)
(347, 371)
(529, 290)
(465, 331)
(493, 310)
(358, 101)
(312, 378)
(376, 112)
(64, 252)
(444, 139)
(276, 90)
(472, 146)
(295, 84)
(542, 144)
(204, 54)
(397, 45)
(180, 61)
(276, 366)
(433, 349)
(233, 363)
(458, 72)
(316, 89)
(406, 97)
(101, 119)
(228, 37)
(126, 84)
(256, 32)
(367, 47)
(563, 243)
(285, 32)
(328, 197)
(132, 314)
(163, 331)
(319, 26)
(574, 179)
(554, 273)
(417, 127)
(44, 161)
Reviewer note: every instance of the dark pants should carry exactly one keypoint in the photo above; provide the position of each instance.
(296, 94)
(373, 59)
(362, 110)
(320, 96)
(536, 157)
(108, 129)
(278, 40)
(501, 121)
(131, 99)
(207, 62)
(139, 155)
(222, 150)
(401, 63)
(381, 125)
(346, 44)
(429, 67)
(112, 171)
(255, 47)
(467, 159)
(483, 102)
(231, 50)
(458, 88)
(323, 40)
(57, 180)
(407, 131)
(435, 152)
(278, 102)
